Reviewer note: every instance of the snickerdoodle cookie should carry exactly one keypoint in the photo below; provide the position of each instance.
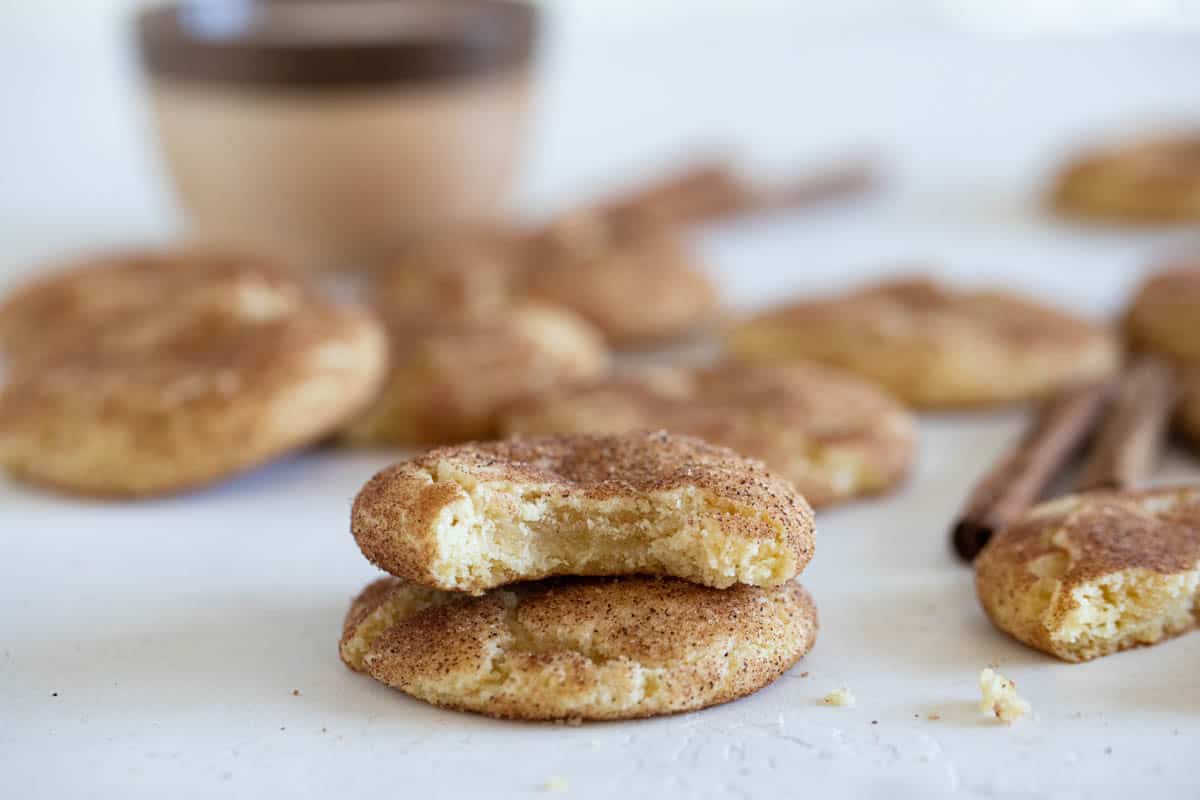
(477, 516)
(936, 347)
(1147, 180)
(635, 292)
(832, 434)
(1165, 314)
(155, 373)
(451, 376)
(591, 648)
(1088, 575)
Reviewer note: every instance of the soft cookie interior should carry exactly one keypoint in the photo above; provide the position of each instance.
(1091, 575)
(496, 532)
(467, 525)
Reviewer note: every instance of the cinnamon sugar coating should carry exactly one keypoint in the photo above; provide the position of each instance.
(154, 373)
(635, 291)
(591, 648)
(1152, 179)
(1091, 574)
(832, 434)
(1164, 316)
(936, 347)
(451, 376)
(477, 516)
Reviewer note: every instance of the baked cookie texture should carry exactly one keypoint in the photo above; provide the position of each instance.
(637, 292)
(589, 648)
(158, 373)
(477, 516)
(1164, 316)
(936, 347)
(450, 377)
(1147, 180)
(1091, 574)
(833, 435)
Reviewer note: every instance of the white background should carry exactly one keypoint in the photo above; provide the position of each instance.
(174, 632)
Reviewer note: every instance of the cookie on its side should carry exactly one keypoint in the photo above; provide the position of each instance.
(450, 377)
(833, 435)
(592, 648)
(1089, 575)
(219, 367)
(477, 516)
(1147, 180)
(936, 347)
(1164, 316)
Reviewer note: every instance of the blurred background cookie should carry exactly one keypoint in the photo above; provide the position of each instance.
(1147, 180)
(133, 301)
(452, 375)
(636, 291)
(579, 649)
(934, 346)
(157, 374)
(1088, 575)
(833, 435)
(481, 515)
(1164, 316)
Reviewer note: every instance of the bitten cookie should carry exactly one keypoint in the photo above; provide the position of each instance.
(1147, 180)
(450, 377)
(477, 516)
(591, 648)
(833, 435)
(635, 292)
(935, 347)
(1164, 316)
(1088, 575)
(157, 374)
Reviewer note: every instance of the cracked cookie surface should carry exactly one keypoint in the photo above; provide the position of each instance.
(450, 376)
(637, 292)
(153, 373)
(481, 515)
(1152, 179)
(1091, 574)
(936, 347)
(590, 648)
(832, 434)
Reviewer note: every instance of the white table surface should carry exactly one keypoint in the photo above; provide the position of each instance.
(152, 649)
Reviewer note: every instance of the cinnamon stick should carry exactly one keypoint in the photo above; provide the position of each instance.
(1132, 434)
(711, 191)
(840, 180)
(1024, 474)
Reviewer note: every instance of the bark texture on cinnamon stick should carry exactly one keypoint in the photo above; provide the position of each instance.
(1027, 470)
(1133, 431)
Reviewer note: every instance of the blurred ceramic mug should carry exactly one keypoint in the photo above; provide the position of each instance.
(330, 133)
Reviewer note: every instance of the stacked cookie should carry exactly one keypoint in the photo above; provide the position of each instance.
(149, 373)
(581, 576)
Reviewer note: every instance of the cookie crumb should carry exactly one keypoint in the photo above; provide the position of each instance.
(295, 692)
(556, 784)
(839, 697)
(998, 697)
(803, 674)
(935, 717)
